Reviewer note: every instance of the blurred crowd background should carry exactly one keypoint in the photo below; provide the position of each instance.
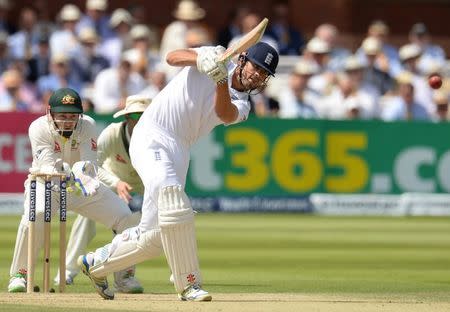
(109, 53)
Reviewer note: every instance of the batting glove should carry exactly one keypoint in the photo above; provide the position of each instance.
(206, 59)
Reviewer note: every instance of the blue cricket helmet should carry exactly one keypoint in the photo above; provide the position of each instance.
(263, 55)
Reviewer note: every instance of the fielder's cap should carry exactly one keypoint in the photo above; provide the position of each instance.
(134, 104)
(317, 45)
(100, 5)
(405, 77)
(88, 35)
(419, 29)
(70, 13)
(264, 55)
(409, 51)
(371, 46)
(305, 67)
(353, 63)
(65, 100)
(120, 16)
(188, 10)
(140, 31)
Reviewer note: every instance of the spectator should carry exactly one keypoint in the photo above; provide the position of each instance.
(121, 22)
(330, 34)
(157, 80)
(289, 40)
(409, 56)
(420, 36)
(354, 69)
(233, 28)
(380, 79)
(296, 100)
(97, 18)
(39, 64)
(65, 41)
(16, 95)
(87, 62)
(388, 58)
(318, 51)
(23, 43)
(113, 85)
(348, 101)
(440, 113)
(403, 106)
(60, 76)
(187, 15)
(144, 57)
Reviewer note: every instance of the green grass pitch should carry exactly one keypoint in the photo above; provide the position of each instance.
(293, 253)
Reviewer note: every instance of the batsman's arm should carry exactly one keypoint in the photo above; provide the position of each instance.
(225, 110)
(182, 57)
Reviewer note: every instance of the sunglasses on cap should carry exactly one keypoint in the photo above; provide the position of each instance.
(134, 116)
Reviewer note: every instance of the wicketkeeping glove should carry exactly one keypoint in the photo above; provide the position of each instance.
(85, 178)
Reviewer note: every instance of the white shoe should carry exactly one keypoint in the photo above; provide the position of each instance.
(125, 282)
(194, 293)
(18, 282)
(100, 283)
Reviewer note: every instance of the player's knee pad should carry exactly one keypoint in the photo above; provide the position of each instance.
(176, 220)
(174, 207)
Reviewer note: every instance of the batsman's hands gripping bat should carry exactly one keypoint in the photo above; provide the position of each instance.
(84, 177)
(209, 64)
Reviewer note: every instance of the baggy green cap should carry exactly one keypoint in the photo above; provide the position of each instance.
(65, 100)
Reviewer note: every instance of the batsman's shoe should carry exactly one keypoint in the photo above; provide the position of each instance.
(126, 282)
(18, 282)
(100, 283)
(195, 293)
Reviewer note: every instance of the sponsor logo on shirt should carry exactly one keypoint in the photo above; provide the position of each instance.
(57, 148)
(38, 154)
(120, 159)
(157, 156)
(93, 145)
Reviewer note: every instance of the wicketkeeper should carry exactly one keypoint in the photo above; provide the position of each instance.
(65, 141)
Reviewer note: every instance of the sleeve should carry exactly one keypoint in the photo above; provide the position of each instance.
(104, 150)
(88, 141)
(42, 145)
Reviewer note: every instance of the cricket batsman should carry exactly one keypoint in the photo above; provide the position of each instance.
(65, 141)
(205, 93)
(117, 173)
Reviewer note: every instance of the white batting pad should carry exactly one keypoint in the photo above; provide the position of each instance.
(176, 219)
(127, 249)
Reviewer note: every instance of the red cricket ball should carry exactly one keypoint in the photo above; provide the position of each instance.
(435, 81)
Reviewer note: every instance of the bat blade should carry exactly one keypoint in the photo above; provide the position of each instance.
(246, 41)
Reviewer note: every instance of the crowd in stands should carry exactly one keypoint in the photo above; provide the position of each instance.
(107, 56)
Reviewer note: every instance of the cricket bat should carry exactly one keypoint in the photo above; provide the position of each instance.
(245, 42)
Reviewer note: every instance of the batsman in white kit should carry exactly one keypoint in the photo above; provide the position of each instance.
(207, 92)
(117, 173)
(65, 141)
